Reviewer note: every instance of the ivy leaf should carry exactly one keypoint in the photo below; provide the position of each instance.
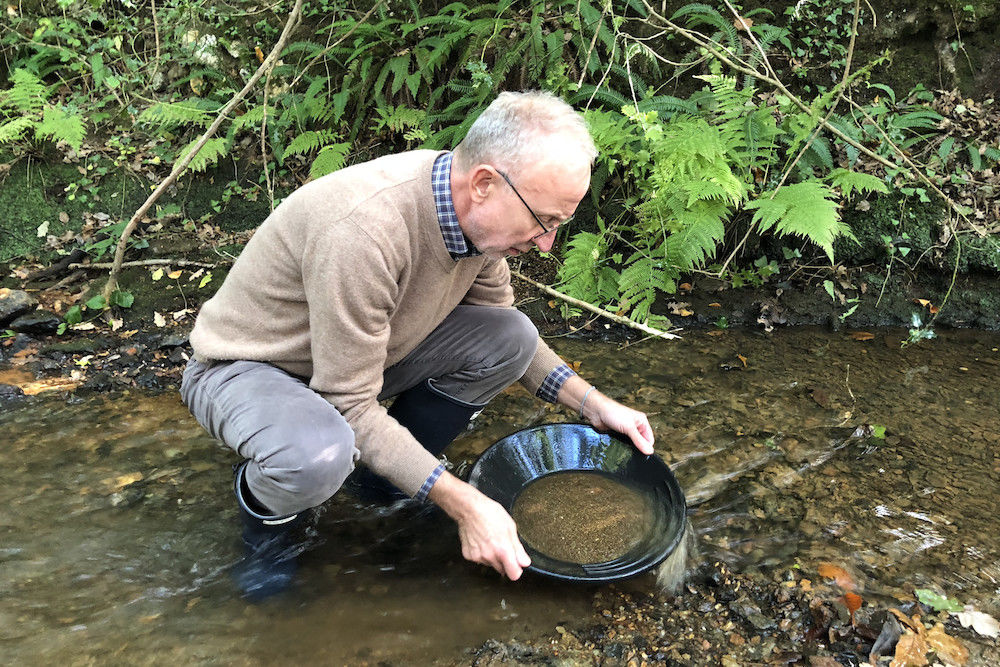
(96, 303)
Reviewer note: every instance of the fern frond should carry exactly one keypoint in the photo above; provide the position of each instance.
(309, 141)
(61, 126)
(208, 155)
(173, 114)
(848, 181)
(13, 130)
(808, 210)
(579, 274)
(28, 94)
(332, 158)
(251, 118)
(700, 230)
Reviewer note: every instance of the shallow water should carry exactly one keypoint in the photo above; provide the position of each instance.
(118, 525)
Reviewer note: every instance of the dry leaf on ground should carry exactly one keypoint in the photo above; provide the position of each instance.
(911, 651)
(948, 649)
(982, 623)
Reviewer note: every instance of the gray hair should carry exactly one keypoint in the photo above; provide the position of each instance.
(511, 131)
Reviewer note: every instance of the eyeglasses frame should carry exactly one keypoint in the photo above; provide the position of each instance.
(545, 230)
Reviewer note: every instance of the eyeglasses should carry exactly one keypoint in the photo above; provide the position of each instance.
(545, 230)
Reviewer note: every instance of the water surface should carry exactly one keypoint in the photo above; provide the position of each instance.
(119, 527)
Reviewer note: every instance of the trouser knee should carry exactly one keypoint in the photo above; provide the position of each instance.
(298, 475)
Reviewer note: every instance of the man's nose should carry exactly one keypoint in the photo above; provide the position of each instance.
(545, 241)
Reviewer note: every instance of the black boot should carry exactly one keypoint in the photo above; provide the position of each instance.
(271, 547)
(433, 418)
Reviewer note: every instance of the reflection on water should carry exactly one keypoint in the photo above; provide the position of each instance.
(118, 527)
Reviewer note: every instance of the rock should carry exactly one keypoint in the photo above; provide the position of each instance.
(173, 340)
(14, 303)
(38, 322)
(10, 393)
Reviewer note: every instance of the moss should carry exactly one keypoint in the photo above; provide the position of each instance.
(906, 223)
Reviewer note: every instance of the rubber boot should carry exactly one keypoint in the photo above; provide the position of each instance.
(271, 549)
(433, 418)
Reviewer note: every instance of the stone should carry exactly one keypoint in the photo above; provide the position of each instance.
(14, 303)
(37, 322)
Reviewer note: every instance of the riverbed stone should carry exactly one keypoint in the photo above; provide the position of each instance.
(14, 303)
(37, 322)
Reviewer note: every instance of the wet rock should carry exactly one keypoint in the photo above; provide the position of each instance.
(38, 322)
(10, 393)
(18, 343)
(73, 346)
(173, 340)
(130, 496)
(14, 303)
(147, 380)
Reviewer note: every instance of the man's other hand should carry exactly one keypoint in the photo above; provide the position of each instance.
(488, 533)
(607, 414)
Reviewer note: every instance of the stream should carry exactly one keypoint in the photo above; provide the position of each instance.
(794, 448)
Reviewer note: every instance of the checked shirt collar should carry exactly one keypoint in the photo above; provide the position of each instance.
(454, 240)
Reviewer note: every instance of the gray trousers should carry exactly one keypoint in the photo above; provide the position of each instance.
(300, 449)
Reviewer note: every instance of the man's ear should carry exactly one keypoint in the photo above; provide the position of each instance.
(481, 179)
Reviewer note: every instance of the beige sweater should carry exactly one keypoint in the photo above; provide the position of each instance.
(345, 278)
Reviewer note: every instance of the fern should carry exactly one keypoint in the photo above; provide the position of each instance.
(309, 141)
(330, 159)
(581, 273)
(13, 130)
(58, 125)
(848, 181)
(168, 115)
(27, 95)
(208, 155)
(806, 209)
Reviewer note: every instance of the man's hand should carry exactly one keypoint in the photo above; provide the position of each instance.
(605, 413)
(488, 534)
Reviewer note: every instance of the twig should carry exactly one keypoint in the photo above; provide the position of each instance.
(145, 262)
(179, 167)
(646, 329)
(156, 39)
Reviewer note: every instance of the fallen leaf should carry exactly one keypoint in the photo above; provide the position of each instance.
(157, 274)
(552, 303)
(120, 482)
(129, 333)
(911, 651)
(936, 601)
(839, 575)
(116, 324)
(853, 602)
(715, 304)
(933, 310)
(575, 365)
(260, 54)
(174, 275)
(742, 24)
(63, 217)
(742, 359)
(180, 314)
(43, 230)
(159, 320)
(684, 287)
(862, 335)
(947, 648)
(922, 302)
(49, 384)
(912, 623)
(982, 623)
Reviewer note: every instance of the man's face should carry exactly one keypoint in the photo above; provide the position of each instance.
(502, 225)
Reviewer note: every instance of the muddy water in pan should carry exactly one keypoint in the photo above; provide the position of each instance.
(118, 527)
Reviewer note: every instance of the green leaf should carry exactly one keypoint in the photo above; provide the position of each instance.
(122, 298)
(73, 316)
(936, 601)
(96, 302)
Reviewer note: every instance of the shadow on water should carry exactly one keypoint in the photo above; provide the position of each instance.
(118, 528)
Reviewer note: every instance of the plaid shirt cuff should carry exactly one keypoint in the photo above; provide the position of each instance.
(553, 382)
(425, 488)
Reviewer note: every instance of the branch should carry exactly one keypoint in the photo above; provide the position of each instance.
(594, 309)
(145, 262)
(179, 167)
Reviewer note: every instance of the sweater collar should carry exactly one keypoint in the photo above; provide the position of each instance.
(459, 247)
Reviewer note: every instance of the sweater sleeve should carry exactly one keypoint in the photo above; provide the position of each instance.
(351, 295)
(492, 288)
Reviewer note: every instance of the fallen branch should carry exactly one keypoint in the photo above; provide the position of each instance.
(144, 262)
(632, 324)
(179, 167)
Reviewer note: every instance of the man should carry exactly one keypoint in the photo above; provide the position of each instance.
(389, 279)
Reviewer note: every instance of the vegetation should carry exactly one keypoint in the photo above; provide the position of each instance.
(717, 127)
